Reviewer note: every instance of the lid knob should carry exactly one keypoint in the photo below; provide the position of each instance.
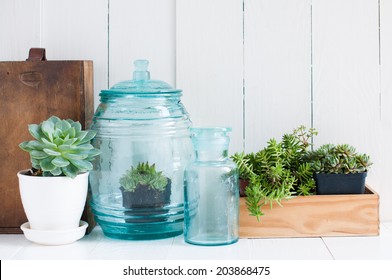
(141, 73)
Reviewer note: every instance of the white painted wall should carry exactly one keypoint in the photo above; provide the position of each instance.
(261, 67)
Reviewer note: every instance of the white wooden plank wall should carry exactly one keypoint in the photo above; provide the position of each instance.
(19, 19)
(210, 63)
(262, 67)
(277, 69)
(142, 29)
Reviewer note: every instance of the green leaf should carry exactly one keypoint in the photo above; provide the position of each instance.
(60, 162)
(85, 147)
(70, 171)
(75, 156)
(35, 131)
(62, 125)
(58, 141)
(36, 145)
(38, 154)
(57, 171)
(48, 143)
(70, 132)
(81, 135)
(93, 152)
(35, 163)
(90, 135)
(67, 147)
(47, 164)
(82, 165)
(47, 128)
(52, 152)
(54, 119)
(25, 146)
(76, 125)
(70, 142)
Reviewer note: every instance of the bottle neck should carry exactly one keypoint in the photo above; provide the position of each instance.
(210, 144)
(211, 155)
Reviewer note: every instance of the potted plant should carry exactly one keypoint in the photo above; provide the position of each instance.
(277, 171)
(54, 190)
(339, 169)
(143, 187)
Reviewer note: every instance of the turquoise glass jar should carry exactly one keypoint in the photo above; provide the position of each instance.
(137, 181)
(211, 190)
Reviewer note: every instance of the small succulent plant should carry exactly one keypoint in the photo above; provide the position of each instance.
(61, 148)
(277, 171)
(143, 175)
(339, 159)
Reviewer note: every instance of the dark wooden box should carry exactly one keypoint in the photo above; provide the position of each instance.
(30, 92)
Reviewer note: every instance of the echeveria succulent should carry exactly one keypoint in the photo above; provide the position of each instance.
(61, 148)
(338, 159)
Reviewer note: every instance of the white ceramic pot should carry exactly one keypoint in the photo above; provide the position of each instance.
(53, 203)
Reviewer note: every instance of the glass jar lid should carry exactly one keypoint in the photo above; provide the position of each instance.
(141, 83)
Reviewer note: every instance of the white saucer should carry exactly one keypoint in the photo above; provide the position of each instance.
(54, 237)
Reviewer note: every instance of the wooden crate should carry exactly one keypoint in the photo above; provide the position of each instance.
(32, 91)
(315, 216)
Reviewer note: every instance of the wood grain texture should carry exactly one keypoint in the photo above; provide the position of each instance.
(277, 44)
(31, 92)
(210, 64)
(315, 216)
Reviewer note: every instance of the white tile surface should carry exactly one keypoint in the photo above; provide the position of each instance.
(108, 248)
(290, 248)
(10, 244)
(76, 251)
(97, 246)
(387, 225)
(355, 248)
(184, 251)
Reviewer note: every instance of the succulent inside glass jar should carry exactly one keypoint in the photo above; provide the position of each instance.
(143, 135)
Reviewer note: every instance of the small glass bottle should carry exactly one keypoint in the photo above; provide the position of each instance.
(211, 191)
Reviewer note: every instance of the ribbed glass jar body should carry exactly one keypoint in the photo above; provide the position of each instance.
(211, 191)
(137, 181)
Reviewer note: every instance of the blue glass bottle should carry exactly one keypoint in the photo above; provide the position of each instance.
(211, 190)
(137, 183)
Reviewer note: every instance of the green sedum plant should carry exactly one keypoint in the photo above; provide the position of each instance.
(143, 175)
(278, 171)
(60, 148)
(338, 159)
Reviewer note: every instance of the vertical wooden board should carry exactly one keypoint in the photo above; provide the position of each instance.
(346, 85)
(386, 61)
(346, 71)
(142, 30)
(19, 28)
(210, 63)
(277, 69)
(382, 167)
(77, 30)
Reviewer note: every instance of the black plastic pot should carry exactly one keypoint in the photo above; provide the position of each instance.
(146, 204)
(340, 183)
